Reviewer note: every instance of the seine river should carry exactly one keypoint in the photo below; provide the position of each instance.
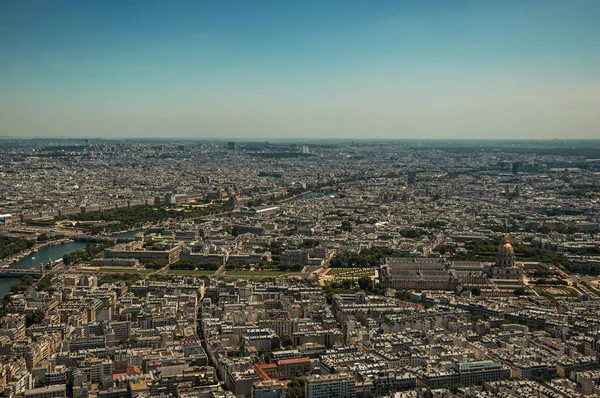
(49, 252)
(43, 255)
(310, 195)
(130, 234)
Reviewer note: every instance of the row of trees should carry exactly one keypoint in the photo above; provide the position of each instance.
(192, 265)
(291, 267)
(365, 258)
(87, 254)
(413, 233)
(23, 284)
(485, 250)
(128, 278)
(157, 264)
(44, 283)
(129, 217)
(275, 264)
(10, 245)
(364, 283)
(554, 282)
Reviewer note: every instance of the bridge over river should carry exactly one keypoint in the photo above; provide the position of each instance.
(18, 272)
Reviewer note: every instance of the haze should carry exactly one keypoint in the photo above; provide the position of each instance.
(306, 69)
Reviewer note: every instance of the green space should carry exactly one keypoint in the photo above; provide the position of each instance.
(194, 272)
(565, 291)
(24, 284)
(351, 271)
(592, 289)
(10, 245)
(44, 283)
(130, 217)
(192, 265)
(347, 286)
(413, 233)
(124, 271)
(128, 278)
(35, 318)
(87, 254)
(365, 258)
(485, 250)
(256, 273)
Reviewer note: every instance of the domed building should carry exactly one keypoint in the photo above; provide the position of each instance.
(499, 279)
(506, 266)
(506, 254)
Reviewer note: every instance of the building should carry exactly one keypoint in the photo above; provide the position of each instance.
(268, 389)
(59, 390)
(5, 219)
(500, 278)
(288, 368)
(481, 371)
(505, 266)
(339, 385)
(417, 274)
(132, 251)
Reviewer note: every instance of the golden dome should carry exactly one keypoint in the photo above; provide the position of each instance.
(505, 246)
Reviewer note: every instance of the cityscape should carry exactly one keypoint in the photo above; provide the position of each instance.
(299, 199)
(318, 269)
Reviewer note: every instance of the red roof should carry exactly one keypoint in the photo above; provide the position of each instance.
(261, 373)
(292, 361)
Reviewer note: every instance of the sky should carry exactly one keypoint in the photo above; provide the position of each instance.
(373, 69)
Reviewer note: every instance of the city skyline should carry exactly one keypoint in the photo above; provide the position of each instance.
(265, 70)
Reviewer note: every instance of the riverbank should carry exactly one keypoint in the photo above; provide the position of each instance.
(7, 262)
(45, 251)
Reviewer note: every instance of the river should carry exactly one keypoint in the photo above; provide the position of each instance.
(43, 255)
(309, 195)
(130, 234)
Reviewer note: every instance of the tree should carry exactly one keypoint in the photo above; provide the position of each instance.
(44, 283)
(43, 237)
(295, 388)
(520, 291)
(476, 291)
(157, 264)
(35, 318)
(346, 226)
(403, 295)
(286, 341)
(365, 283)
(185, 265)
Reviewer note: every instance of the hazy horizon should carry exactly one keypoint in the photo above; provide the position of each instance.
(310, 70)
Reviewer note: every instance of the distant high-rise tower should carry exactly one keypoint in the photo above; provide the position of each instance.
(516, 167)
(231, 146)
(305, 149)
(412, 177)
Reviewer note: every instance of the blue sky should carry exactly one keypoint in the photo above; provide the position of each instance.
(300, 69)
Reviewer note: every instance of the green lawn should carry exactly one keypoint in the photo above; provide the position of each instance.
(255, 273)
(556, 291)
(361, 271)
(196, 272)
(125, 271)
